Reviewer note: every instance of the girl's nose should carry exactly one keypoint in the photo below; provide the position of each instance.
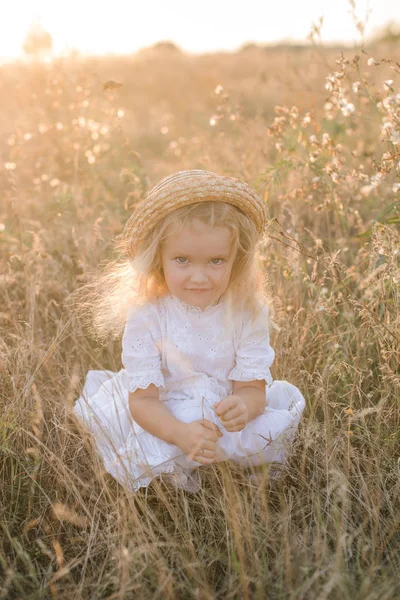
(198, 277)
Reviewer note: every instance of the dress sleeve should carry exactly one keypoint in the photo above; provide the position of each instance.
(141, 344)
(254, 355)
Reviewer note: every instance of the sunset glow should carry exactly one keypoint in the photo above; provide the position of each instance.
(124, 27)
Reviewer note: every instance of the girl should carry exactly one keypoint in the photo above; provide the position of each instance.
(196, 387)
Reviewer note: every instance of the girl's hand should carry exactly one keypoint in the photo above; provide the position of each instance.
(233, 412)
(198, 440)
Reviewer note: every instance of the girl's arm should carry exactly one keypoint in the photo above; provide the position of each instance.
(245, 404)
(192, 438)
(152, 414)
(253, 393)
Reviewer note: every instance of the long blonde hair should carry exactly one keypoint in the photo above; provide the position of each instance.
(125, 284)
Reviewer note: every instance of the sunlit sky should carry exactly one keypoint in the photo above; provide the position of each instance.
(124, 26)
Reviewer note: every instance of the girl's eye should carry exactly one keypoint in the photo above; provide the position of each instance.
(181, 262)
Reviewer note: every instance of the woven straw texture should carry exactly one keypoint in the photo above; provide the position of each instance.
(190, 187)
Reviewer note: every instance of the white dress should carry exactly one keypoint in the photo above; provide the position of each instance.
(192, 356)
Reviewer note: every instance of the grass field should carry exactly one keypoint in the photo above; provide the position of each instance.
(318, 129)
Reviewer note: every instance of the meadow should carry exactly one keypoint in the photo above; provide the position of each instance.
(316, 131)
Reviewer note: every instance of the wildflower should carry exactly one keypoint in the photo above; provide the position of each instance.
(395, 137)
(376, 179)
(213, 121)
(54, 182)
(371, 61)
(356, 86)
(346, 107)
(325, 139)
(390, 102)
(42, 128)
(328, 108)
(219, 89)
(396, 187)
(10, 166)
(342, 61)
(27, 136)
(330, 82)
(366, 190)
(388, 83)
(120, 113)
(164, 130)
(2, 227)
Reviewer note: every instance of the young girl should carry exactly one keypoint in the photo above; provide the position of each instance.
(196, 387)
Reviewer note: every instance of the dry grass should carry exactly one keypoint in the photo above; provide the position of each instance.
(329, 528)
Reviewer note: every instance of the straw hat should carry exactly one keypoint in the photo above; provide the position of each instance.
(190, 187)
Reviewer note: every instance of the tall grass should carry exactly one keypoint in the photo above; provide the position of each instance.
(320, 131)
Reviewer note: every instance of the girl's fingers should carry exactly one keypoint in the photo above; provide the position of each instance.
(231, 414)
(209, 425)
(204, 460)
(208, 453)
(209, 445)
(235, 424)
(206, 449)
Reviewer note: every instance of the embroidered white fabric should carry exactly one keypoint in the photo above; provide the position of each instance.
(193, 357)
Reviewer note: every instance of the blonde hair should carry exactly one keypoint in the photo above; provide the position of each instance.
(126, 283)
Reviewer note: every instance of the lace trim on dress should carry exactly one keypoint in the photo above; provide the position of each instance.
(144, 380)
(238, 374)
(192, 308)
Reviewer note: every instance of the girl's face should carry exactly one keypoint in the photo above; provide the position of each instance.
(197, 263)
